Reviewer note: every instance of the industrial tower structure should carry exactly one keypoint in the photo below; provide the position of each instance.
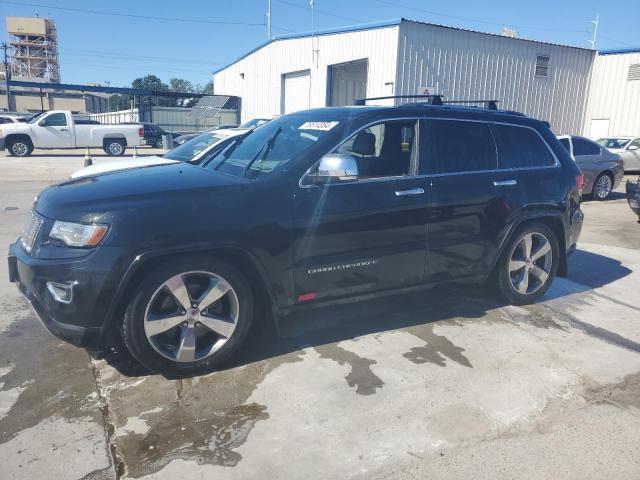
(34, 52)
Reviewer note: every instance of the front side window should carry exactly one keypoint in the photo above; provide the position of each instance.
(584, 147)
(262, 150)
(521, 147)
(383, 150)
(452, 146)
(55, 120)
(635, 145)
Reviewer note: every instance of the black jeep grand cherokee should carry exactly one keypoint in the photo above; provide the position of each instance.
(306, 210)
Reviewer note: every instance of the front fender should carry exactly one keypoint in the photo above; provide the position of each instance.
(143, 262)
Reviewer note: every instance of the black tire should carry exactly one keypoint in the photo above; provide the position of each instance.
(158, 142)
(598, 194)
(133, 326)
(19, 147)
(504, 278)
(114, 147)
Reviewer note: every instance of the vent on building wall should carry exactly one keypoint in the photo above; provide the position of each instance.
(634, 72)
(542, 66)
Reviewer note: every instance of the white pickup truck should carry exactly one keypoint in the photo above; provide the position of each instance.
(57, 129)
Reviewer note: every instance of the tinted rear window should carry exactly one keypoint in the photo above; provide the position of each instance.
(451, 146)
(584, 147)
(521, 147)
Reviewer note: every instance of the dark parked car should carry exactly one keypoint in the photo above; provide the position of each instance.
(633, 196)
(153, 134)
(310, 209)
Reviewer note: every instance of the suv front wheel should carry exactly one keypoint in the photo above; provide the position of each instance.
(528, 265)
(189, 316)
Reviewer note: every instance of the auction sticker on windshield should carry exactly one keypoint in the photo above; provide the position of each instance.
(324, 126)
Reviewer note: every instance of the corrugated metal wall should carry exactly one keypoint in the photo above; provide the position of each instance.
(257, 78)
(613, 96)
(171, 119)
(469, 65)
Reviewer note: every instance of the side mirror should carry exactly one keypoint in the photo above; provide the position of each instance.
(633, 147)
(335, 168)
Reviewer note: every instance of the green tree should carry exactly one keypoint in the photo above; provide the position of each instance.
(181, 85)
(152, 82)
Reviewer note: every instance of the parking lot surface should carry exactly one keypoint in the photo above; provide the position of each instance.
(444, 384)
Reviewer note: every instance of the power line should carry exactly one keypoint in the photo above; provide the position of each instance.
(140, 17)
(466, 19)
(147, 68)
(322, 12)
(72, 52)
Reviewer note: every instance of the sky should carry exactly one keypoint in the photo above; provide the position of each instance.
(118, 40)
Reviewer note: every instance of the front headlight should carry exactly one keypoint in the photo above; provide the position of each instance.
(78, 234)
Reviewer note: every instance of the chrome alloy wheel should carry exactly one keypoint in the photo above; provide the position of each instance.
(530, 262)
(115, 148)
(19, 149)
(603, 186)
(191, 316)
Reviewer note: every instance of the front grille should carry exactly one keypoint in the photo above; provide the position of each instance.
(30, 231)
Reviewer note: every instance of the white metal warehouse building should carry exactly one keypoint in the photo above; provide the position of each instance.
(402, 57)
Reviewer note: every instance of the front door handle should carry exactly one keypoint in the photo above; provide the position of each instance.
(504, 183)
(411, 191)
(64, 129)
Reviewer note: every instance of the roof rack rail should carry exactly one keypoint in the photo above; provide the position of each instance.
(433, 99)
(490, 104)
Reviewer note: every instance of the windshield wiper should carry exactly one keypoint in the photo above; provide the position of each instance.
(236, 143)
(263, 152)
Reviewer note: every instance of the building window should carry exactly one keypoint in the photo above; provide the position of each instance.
(542, 66)
(634, 72)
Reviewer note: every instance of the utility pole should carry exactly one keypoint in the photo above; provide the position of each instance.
(108, 84)
(269, 20)
(7, 76)
(595, 22)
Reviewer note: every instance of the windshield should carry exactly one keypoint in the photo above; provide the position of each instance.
(613, 142)
(256, 122)
(263, 150)
(35, 118)
(193, 147)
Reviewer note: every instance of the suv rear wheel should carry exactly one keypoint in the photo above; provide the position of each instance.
(528, 265)
(188, 316)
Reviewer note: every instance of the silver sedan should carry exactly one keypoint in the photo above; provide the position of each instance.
(602, 169)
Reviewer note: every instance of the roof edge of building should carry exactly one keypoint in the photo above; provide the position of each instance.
(619, 51)
(328, 31)
(381, 24)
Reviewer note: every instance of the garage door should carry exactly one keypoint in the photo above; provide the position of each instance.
(348, 81)
(295, 91)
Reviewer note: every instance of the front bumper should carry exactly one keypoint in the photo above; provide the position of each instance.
(2, 144)
(81, 321)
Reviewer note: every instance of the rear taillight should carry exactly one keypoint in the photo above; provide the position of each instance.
(141, 132)
(580, 181)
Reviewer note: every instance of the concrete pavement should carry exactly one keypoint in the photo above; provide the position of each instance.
(444, 384)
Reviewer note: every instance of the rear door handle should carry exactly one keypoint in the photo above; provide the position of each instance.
(504, 183)
(64, 129)
(411, 191)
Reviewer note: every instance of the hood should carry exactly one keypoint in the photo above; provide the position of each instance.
(159, 187)
(123, 164)
(7, 128)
